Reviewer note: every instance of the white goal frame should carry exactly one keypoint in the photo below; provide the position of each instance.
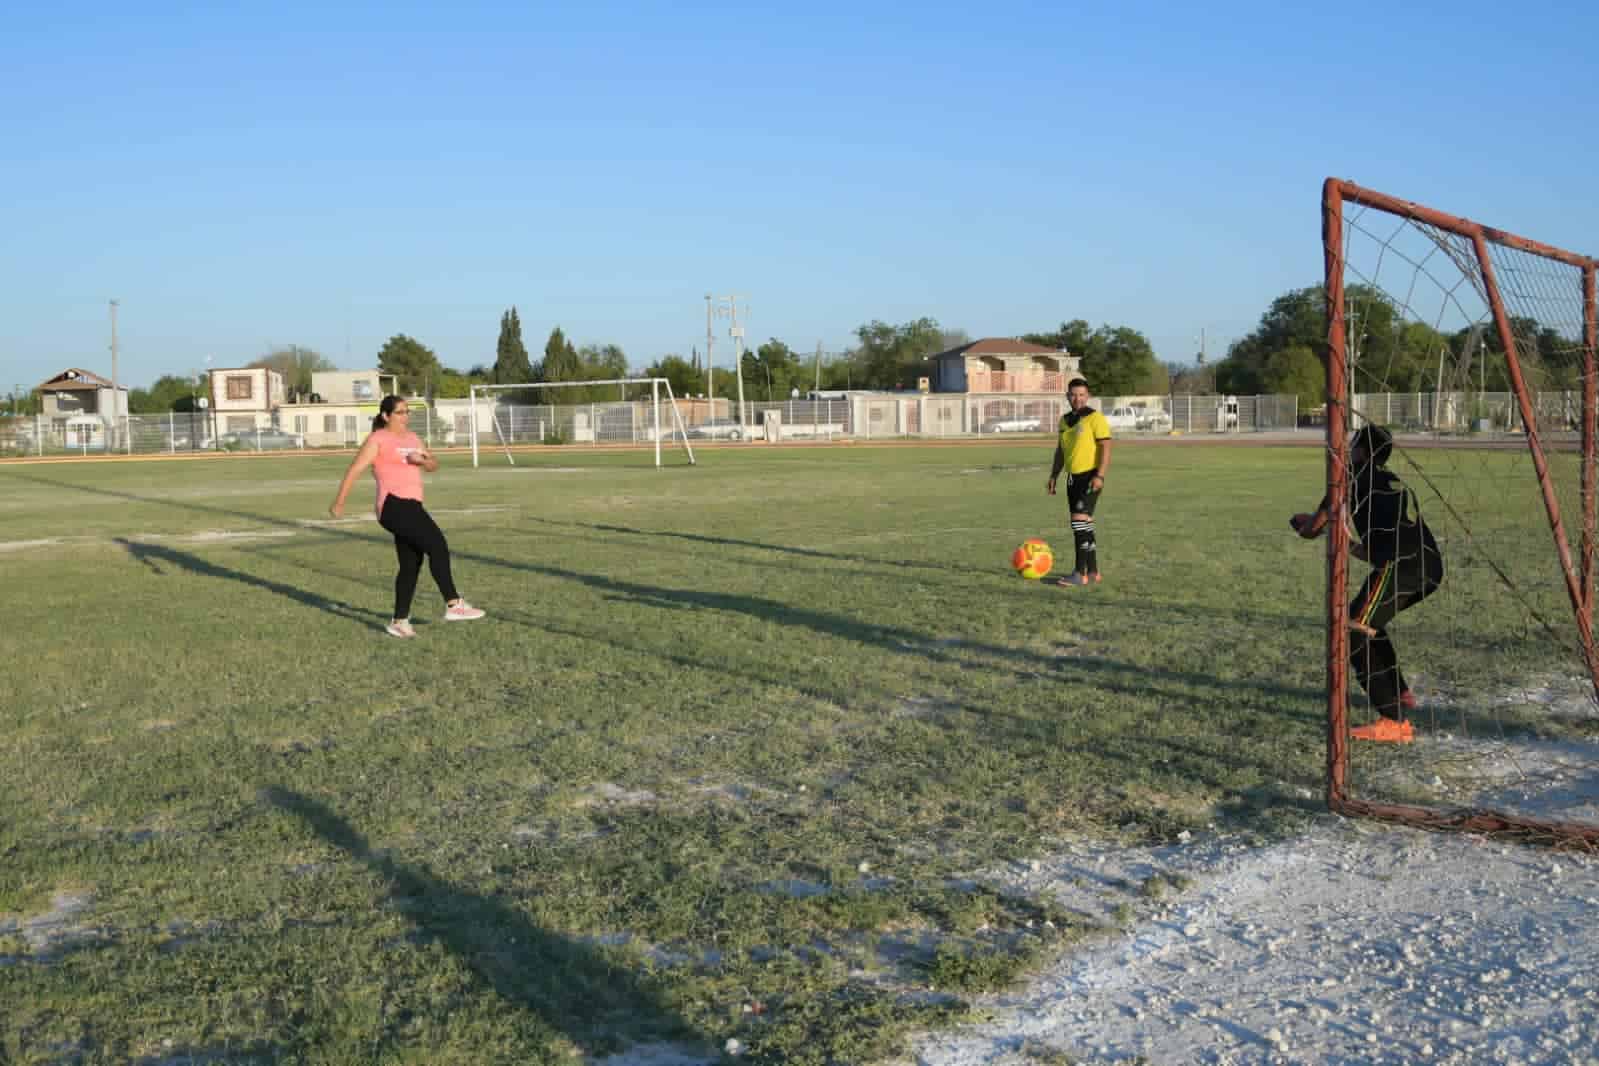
(657, 386)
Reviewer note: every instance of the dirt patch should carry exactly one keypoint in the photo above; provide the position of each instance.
(52, 933)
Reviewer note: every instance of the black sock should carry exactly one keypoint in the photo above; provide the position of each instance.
(1087, 549)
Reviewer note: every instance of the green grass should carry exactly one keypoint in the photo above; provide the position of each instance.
(733, 735)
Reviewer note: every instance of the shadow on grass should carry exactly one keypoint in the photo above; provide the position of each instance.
(572, 988)
(736, 542)
(153, 555)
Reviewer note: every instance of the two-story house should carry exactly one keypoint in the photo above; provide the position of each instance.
(1003, 365)
(79, 406)
(245, 398)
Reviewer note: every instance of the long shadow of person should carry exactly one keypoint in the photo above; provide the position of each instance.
(153, 555)
(572, 988)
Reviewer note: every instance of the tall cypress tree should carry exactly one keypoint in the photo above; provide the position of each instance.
(511, 364)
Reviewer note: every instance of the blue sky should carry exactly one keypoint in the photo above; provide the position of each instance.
(290, 173)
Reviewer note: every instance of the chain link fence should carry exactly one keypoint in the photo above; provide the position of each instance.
(856, 416)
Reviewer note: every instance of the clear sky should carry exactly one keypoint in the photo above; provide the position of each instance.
(329, 175)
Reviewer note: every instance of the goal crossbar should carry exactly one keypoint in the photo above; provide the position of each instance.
(660, 393)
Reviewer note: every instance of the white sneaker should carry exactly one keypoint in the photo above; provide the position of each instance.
(462, 612)
(400, 628)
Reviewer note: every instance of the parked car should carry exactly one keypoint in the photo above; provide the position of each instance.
(718, 429)
(248, 440)
(1154, 419)
(1014, 425)
(1122, 417)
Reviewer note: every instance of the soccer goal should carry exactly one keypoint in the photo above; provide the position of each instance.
(617, 412)
(1476, 350)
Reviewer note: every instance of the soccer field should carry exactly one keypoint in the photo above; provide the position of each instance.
(720, 764)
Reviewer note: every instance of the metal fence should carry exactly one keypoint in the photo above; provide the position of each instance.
(858, 416)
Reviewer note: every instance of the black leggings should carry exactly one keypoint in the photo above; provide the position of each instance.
(416, 535)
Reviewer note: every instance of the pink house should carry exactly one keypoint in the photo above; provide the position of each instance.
(1003, 365)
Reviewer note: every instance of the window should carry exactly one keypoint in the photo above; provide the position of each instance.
(351, 426)
(463, 425)
(239, 387)
(330, 423)
(362, 390)
(301, 424)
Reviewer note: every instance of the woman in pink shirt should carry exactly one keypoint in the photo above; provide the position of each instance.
(397, 459)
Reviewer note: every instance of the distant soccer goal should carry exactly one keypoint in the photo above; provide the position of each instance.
(1476, 351)
(616, 412)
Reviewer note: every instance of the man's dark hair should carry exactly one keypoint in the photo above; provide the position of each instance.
(1376, 441)
(1076, 382)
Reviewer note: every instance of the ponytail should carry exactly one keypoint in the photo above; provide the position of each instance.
(385, 409)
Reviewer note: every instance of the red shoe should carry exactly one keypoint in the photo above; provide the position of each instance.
(1407, 700)
(1385, 731)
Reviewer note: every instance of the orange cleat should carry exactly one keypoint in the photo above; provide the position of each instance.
(1385, 731)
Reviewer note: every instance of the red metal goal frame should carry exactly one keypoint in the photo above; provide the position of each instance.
(1578, 575)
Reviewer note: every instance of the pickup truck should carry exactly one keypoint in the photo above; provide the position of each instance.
(1122, 418)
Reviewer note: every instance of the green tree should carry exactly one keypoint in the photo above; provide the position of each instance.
(170, 392)
(685, 378)
(1073, 337)
(511, 363)
(561, 362)
(772, 369)
(891, 357)
(296, 364)
(1119, 361)
(1296, 369)
(412, 362)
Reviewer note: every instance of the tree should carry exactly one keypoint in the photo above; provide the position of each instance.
(1297, 370)
(684, 377)
(170, 392)
(1073, 337)
(296, 364)
(561, 362)
(511, 363)
(891, 357)
(411, 361)
(775, 366)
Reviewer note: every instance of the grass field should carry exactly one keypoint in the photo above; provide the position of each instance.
(719, 765)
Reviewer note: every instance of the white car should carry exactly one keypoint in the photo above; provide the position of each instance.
(1013, 425)
(1153, 418)
(1122, 417)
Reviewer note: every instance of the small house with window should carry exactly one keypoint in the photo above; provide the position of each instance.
(79, 405)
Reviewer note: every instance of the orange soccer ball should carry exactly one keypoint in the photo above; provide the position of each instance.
(1033, 559)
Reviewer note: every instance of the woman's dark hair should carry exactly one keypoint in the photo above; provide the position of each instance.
(385, 409)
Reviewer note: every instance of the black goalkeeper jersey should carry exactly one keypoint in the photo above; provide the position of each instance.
(1388, 521)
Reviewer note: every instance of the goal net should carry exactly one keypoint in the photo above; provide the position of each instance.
(618, 413)
(1475, 350)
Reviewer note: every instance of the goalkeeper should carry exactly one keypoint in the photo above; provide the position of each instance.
(1406, 568)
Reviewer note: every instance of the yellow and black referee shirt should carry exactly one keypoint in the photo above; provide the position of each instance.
(1080, 434)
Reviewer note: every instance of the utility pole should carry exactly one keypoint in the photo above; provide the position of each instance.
(710, 364)
(737, 333)
(818, 367)
(116, 392)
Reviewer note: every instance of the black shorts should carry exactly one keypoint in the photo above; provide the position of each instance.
(1081, 496)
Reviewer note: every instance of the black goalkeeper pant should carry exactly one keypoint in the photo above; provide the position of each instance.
(1390, 588)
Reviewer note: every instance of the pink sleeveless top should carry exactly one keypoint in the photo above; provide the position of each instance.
(395, 476)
